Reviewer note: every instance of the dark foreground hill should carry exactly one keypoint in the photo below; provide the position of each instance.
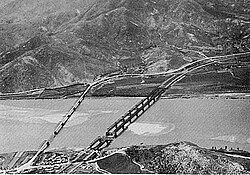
(48, 43)
(181, 158)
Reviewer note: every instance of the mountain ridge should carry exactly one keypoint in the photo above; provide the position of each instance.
(100, 37)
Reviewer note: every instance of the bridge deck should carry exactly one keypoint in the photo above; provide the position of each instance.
(121, 125)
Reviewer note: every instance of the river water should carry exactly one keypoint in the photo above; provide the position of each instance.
(24, 124)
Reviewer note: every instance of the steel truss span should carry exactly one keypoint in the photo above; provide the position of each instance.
(122, 124)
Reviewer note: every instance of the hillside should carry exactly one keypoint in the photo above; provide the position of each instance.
(75, 41)
(174, 158)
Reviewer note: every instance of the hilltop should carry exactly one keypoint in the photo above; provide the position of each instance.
(182, 157)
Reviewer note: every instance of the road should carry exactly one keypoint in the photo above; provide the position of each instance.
(122, 124)
(177, 75)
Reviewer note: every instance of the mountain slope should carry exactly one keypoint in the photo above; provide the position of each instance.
(77, 41)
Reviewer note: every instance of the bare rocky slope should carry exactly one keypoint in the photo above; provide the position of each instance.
(48, 43)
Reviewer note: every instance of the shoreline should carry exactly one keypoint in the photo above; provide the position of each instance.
(228, 95)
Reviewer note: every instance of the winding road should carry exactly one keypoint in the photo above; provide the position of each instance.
(134, 113)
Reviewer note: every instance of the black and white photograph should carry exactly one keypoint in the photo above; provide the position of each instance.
(124, 86)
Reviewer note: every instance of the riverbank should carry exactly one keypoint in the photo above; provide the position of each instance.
(180, 157)
(200, 84)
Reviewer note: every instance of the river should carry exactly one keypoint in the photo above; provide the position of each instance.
(24, 124)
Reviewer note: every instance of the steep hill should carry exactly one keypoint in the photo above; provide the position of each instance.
(78, 40)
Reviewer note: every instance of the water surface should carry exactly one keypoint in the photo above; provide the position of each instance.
(24, 124)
